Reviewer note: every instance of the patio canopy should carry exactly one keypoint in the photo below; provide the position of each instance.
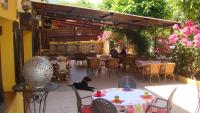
(95, 18)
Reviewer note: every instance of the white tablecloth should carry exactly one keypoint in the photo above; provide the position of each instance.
(134, 101)
(141, 63)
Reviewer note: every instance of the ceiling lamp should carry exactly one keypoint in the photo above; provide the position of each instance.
(26, 5)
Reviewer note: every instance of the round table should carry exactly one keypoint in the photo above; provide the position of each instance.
(131, 101)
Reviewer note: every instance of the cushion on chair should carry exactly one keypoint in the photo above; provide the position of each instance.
(130, 109)
(86, 109)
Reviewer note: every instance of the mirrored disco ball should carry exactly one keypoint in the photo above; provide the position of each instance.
(38, 72)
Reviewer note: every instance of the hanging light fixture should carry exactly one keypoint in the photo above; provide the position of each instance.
(26, 5)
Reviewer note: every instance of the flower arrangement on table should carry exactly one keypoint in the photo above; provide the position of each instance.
(184, 46)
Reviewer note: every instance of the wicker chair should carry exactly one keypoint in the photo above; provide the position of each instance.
(128, 61)
(93, 64)
(101, 105)
(127, 82)
(167, 70)
(112, 64)
(82, 108)
(152, 70)
(163, 109)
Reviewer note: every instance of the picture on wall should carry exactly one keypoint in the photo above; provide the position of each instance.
(4, 4)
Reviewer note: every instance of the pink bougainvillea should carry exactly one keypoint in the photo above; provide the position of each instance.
(105, 35)
(172, 38)
(188, 35)
(176, 27)
(197, 40)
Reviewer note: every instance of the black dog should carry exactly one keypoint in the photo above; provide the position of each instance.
(83, 85)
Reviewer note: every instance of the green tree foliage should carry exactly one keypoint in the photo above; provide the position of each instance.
(152, 8)
(185, 9)
(140, 41)
(78, 3)
(83, 3)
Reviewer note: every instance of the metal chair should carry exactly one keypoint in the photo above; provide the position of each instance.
(127, 82)
(163, 109)
(101, 105)
(81, 107)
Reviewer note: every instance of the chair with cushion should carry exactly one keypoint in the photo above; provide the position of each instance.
(162, 109)
(167, 70)
(151, 70)
(101, 105)
(82, 108)
(127, 82)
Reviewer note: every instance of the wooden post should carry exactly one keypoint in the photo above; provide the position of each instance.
(155, 44)
(35, 37)
(18, 52)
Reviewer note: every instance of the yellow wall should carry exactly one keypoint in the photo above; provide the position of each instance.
(17, 104)
(9, 13)
(13, 103)
(7, 55)
(27, 37)
(7, 64)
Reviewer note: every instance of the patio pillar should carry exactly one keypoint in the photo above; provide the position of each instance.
(35, 37)
(155, 44)
(106, 47)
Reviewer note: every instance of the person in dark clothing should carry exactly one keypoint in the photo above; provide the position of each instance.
(83, 85)
(123, 52)
(113, 53)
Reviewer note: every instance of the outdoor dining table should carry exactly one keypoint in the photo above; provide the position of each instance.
(130, 100)
(141, 63)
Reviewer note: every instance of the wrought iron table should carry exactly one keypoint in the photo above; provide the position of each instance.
(35, 96)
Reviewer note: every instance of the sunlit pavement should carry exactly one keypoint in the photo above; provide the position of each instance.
(63, 100)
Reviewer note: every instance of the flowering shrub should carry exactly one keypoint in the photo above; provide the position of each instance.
(187, 35)
(184, 46)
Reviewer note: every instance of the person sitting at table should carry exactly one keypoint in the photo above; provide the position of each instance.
(113, 53)
(123, 52)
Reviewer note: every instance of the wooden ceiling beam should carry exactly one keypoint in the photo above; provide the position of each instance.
(107, 15)
(80, 18)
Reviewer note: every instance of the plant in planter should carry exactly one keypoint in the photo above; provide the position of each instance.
(184, 46)
(116, 38)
